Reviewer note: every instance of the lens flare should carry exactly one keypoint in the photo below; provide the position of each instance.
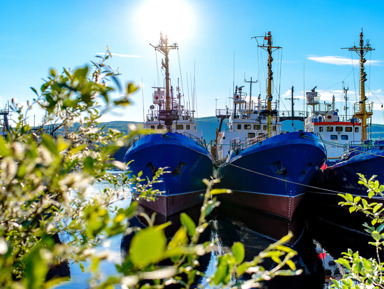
(171, 17)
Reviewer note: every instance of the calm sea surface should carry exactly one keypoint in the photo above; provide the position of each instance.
(319, 240)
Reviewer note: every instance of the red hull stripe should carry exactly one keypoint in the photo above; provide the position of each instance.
(336, 123)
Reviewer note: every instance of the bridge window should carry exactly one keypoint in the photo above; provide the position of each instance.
(264, 127)
(348, 129)
(160, 126)
(188, 127)
(329, 128)
(239, 126)
(356, 129)
(179, 126)
(247, 126)
(339, 128)
(344, 137)
(256, 127)
(251, 135)
(321, 128)
(333, 137)
(152, 127)
(274, 128)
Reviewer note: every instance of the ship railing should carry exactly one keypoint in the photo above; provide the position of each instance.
(198, 140)
(237, 143)
(355, 147)
(358, 108)
(223, 113)
(296, 113)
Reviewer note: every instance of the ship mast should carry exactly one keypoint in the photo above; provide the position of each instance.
(269, 48)
(362, 112)
(163, 47)
(345, 89)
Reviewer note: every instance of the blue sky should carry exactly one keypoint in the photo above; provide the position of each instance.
(215, 44)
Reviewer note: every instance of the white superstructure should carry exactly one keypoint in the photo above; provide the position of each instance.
(336, 131)
(247, 124)
(183, 120)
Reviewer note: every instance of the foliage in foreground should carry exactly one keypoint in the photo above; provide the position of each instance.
(365, 272)
(46, 186)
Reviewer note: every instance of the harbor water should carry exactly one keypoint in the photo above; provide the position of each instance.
(317, 237)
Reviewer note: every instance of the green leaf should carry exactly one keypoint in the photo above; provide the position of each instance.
(376, 208)
(95, 264)
(380, 228)
(88, 164)
(147, 247)
(291, 265)
(50, 144)
(220, 191)
(188, 223)
(352, 209)
(349, 197)
(238, 252)
(222, 271)
(357, 266)
(286, 238)
(276, 259)
(179, 239)
(131, 88)
(241, 269)
(344, 263)
(357, 199)
(35, 269)
(81, 267)
(285, 249)
(376, 235)
(34, 90)
(4, 151)
(77, 149)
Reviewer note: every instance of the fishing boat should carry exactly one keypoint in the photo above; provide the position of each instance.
(176, 146)
(337, 131)
(360, 154)
(266, 169)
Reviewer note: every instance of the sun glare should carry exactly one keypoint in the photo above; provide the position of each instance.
(171, 17)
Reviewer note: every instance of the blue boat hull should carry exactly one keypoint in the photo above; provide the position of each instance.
(343, 177)
(187, 163)
(323, 198)
(272, 175)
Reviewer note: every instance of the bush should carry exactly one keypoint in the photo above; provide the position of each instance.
(365, 272)
(46, 189)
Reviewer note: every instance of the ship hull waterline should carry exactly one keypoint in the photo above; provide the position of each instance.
(272, 176)
(343, 178)
(186, 164)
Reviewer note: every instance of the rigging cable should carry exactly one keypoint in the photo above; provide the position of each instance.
(142, 97)
(189, 100)
(157, 70)
(260, 67)
(181, 75)
(354, 79)
(278, 89)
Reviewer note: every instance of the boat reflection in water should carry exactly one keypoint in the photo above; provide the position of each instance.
(335, 231)
(256, 231)
(141, 222)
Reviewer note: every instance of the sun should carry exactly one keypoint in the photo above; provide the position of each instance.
(172, 17)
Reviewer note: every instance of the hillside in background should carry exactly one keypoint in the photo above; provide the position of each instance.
(208, 126)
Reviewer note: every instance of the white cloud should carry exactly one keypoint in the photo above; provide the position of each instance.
(338, 60)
